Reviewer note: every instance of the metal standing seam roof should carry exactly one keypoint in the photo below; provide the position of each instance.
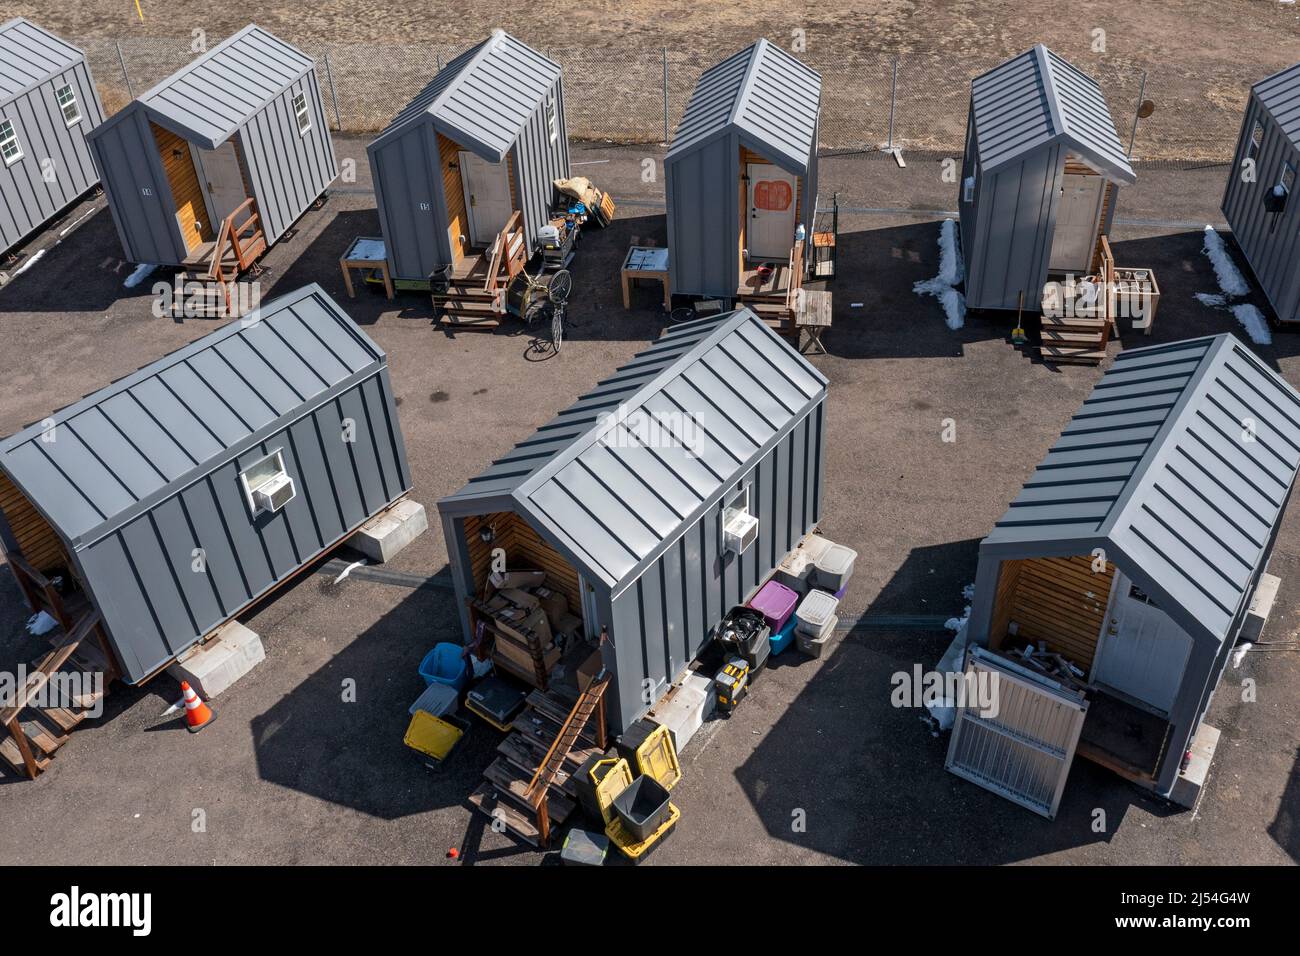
(1036, 99)
(484, 97)
(207, 101)
(138, 440)
(615, 478)
(1179, 466)
(1280, 95)
(766, 95)
(30, 55)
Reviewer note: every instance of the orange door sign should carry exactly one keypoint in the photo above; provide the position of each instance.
(773, 194)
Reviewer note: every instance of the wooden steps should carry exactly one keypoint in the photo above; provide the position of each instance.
(529, 786)
(36, 732)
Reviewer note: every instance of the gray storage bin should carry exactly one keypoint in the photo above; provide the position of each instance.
(814, 646)
(814, 612)
(835, 567)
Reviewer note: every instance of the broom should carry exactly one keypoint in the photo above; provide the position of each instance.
(1018, 333)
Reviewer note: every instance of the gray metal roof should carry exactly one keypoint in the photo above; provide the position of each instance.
(92, 466)
(1179, 466)
(1037, 99)
(484, 97)
(208, 100)
(615, 478)
(30, 55)
(766, 95)
(1280, 95)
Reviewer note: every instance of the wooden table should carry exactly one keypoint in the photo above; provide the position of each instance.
(646, 262)
(366, 252)
(815, 316)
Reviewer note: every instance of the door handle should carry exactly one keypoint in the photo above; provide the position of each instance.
(473, 200)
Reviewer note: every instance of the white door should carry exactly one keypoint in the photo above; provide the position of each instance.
(223, 183)
(487, 197)
(772, 201)
(1078, 211)
(1142, 652)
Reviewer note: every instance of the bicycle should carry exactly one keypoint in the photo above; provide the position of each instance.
(539, 296)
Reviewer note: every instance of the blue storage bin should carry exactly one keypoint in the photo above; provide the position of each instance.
(445, 664)
(784, 637)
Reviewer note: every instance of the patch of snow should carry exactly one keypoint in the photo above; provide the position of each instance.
(945, 714)
(1211, 301)
(950, 274)
(1230, 278)
(968, 592)
(1239, 654)
(348, 570)
(41, 623)
(1253, 321)
(141, 273)
(30, 262)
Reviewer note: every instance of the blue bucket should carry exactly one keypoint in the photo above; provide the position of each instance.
(445, 664)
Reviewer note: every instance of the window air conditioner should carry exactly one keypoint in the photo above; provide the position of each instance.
(739, 531)
(274, 493)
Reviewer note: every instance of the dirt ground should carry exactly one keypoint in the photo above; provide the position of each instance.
(1195, 61)
(291, 774)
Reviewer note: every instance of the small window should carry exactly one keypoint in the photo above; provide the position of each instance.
(1135, 593)
(10, 150)
(552, 118)
(1256, 140)
(267, 486)
(1287, 180)
(68, 103)
(300, 111)
(968, 189)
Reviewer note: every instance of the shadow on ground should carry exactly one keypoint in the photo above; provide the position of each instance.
(351, 753)
(857, 750)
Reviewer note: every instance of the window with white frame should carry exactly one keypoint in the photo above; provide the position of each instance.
(1287, 179)
(300, 112)
(1256, 140)
(10, 149)
(68, 104)
(267, 486)
(552, 118)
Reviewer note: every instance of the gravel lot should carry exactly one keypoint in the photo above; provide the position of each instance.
(290, 774)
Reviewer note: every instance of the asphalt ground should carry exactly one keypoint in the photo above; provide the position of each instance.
(290, 773)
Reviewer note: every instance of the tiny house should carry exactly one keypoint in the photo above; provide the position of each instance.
(220, 159)
(1129, 562)
(1040, 179)
(620, 499)
(1258, 202)
(481, 144)
(48, 105)
(174, 498)
(741, 175)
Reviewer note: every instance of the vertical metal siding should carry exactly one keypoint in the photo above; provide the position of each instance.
(128, 162)
(702, 189)
(408, 194)
(538, 163)
(660, 623)
(27, 199)
(288, 171)
(154, 603)
(1015, 217)
(1270, 243)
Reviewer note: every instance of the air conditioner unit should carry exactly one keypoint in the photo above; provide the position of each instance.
(739, 531)
(274, 493)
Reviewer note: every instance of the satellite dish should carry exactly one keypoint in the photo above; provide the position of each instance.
(1147, 108)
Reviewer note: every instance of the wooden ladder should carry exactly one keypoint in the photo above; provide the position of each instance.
(242, 232)
(32, 743)
(588, 703)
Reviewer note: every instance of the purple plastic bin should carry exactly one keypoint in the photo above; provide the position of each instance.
(776, 603)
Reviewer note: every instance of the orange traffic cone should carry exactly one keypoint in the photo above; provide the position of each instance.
(197, 714)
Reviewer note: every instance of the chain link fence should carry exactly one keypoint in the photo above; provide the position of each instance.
(871, 101)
